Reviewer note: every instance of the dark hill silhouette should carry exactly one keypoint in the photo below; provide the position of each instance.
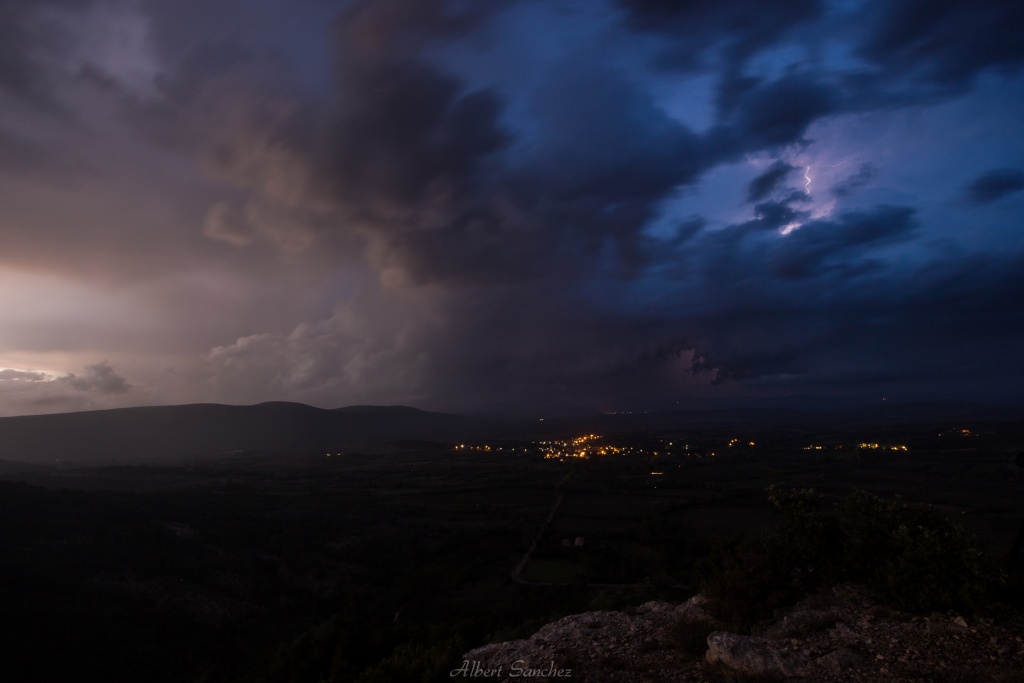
(151, 433)
(382, 410)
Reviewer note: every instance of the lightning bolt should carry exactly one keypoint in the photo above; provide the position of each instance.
(807, 177)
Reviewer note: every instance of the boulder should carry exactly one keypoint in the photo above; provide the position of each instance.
(755, 656)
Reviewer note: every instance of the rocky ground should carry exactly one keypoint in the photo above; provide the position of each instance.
(839, 635)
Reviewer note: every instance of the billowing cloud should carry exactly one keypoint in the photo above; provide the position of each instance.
(505, 204)
(98, 378)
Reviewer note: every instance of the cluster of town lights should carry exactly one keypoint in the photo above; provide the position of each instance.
(881, 447)
(580, 447)
(595, 445)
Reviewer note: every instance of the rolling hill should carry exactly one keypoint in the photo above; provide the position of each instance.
(160, 432)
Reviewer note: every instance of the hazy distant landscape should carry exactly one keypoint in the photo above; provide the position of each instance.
(159, 433)
(321, 560)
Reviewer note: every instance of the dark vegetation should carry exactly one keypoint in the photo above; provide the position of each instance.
(387, 565)
(909, 556)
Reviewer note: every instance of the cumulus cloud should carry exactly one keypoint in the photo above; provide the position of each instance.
(97, 386)
(350, 353)
(99, 378)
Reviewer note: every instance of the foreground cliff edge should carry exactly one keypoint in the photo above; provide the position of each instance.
(837, 635)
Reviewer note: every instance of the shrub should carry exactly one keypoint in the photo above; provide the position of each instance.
(910, 557)
(746, 579)
(743, 581)
(914, 558)
(808, 543)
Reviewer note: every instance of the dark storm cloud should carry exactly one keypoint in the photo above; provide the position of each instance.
(419, 166)
(695, 26)
(410, 166)
(397, 162)
(755, 114)
(968, 305)
(823, 304)
(995, 184)
(822, 246)
(949, 326)
(428, 172)
(605, 138)
(942, 43)
(751, 264)
(515, 218)
(534, 225)
(764, 184)
(547, 347)
(412, 140)
(423, 165)
(860, 321)
(918, 51)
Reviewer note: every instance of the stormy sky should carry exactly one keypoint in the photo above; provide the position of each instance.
(509, 204)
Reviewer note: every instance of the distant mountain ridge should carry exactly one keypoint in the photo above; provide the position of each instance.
(147, 434)
(160, 432)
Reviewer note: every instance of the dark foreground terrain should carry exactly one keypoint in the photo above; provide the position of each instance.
(388, 563)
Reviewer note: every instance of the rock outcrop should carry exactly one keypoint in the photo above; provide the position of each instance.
(598, 646)
(840, 635)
